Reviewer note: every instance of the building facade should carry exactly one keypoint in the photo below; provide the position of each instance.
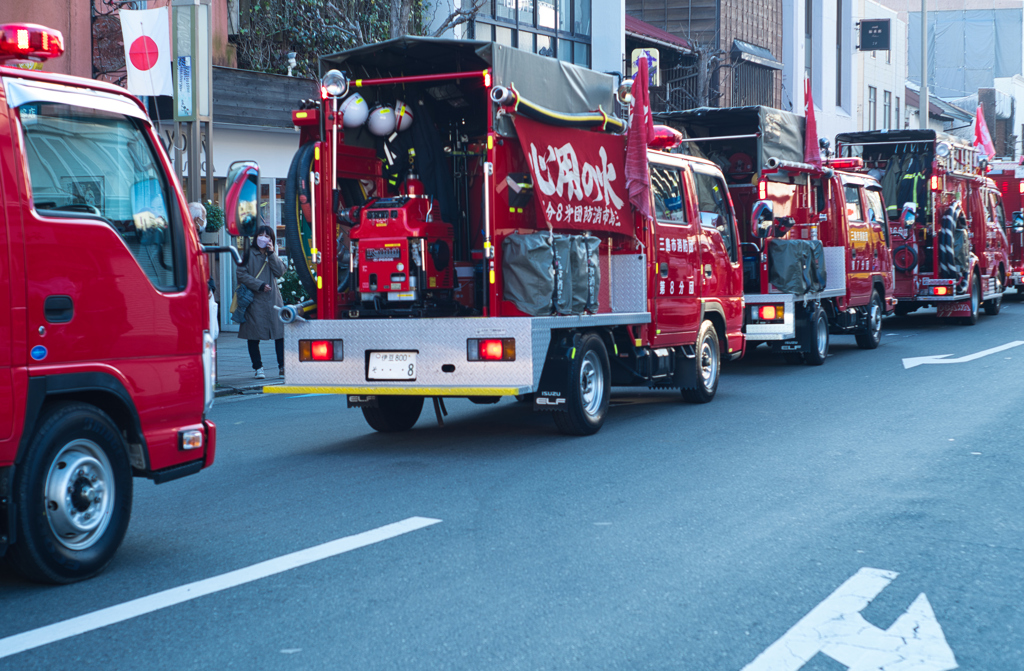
(881, 78)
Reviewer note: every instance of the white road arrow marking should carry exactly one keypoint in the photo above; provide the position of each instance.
(941, 358)
(836, 628)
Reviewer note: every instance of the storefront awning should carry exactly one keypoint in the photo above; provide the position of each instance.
(648, 33)
(745, 51)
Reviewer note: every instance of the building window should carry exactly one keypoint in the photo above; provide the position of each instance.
(808, 17)
(839, 53)
(899, 119)
(554, 28)
(872, 108)
(887, 109)
(752, 84)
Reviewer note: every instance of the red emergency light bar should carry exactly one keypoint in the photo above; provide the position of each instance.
(29, 41)
(665, 138)
(853, 163)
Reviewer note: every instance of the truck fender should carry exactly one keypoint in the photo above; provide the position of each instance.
(99, 389)
(714, 311)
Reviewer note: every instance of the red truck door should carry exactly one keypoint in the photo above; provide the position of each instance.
(996, 244)
(860, 258)
(878, 225)
(110, 285)
(6, 381)
(676, 255)
(718, 243)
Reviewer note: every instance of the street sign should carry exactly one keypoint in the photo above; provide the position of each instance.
(836, 628)
(941, 358)
(874, 35)
(653, 70)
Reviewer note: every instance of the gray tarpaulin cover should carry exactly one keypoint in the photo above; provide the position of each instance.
(544, 274)
(797, 266)
(554, 84)
(781, 133)
(528, 266)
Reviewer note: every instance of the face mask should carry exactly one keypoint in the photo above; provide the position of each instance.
(263, 241)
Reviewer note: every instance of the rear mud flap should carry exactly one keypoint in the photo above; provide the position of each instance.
(553, 392)
(957, 309)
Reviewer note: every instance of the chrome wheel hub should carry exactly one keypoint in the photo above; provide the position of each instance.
(708, 362)
(79, 493)
(591, 384)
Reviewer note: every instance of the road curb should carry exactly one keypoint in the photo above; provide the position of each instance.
(244, 389)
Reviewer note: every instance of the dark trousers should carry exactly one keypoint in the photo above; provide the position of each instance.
(257, 360)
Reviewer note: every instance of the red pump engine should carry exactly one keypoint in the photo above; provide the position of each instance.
(401, 253)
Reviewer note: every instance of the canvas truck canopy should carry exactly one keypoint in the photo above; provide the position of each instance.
(550, 83)
(764, 133)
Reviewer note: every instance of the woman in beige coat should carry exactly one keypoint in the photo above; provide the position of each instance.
(261, 266)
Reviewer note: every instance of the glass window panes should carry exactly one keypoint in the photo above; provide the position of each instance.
(544, 46)
(853, 210)
(546, 14)
(875, 209)
(526, 12)
(505, 9)
(526, 41)
(565, 50)
(666, 187)
(581, 54)
(564, 16)
(84, 163)
(713, 201)
(503, 36)
(581, 10)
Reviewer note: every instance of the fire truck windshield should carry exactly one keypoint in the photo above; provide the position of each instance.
(94, 164)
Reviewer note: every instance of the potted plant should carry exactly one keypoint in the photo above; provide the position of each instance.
(214, 222)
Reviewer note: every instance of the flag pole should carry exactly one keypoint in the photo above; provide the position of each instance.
(923, 110)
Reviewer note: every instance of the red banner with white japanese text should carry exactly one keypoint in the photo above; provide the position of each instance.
(578, 176)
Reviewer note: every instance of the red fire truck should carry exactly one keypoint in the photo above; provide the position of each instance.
(946, 218)
(815, 243)
(505, 259)
(107, 358)
(1009, 180)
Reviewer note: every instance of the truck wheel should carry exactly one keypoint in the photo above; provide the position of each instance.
(590, 389)
(394, 413)
(993, 305)
(816, 347)
(872, 334)
(708, 362)
(975, 302)
(73, 496)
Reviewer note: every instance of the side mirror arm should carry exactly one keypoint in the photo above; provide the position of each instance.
(223, 249)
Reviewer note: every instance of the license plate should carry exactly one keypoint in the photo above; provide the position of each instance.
(391, 366)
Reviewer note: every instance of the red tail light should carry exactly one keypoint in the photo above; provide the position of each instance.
(31, 41)
(936, 185)
(321, 350)
(940, 291)
(762, 190)
(1022, 186)
(491, 349)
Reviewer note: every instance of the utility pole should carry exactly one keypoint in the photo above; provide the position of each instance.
(923, 113)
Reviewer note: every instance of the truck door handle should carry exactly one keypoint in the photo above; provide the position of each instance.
(708, 270)
(58, 309)
(663, 269)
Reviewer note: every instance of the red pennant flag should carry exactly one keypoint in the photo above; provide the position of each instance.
(638, 179)
(812, 154)
(982, 138)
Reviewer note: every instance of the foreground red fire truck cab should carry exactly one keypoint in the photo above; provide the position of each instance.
(107, 358)
(473, 238)
(814, 241)
(947, 220)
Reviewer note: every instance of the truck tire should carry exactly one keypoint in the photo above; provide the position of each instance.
(975, 302)
(394, 414)
(872, 334)
(589, 389)
(73, 496)
(993, 305)
(708, 364)
(816, 346)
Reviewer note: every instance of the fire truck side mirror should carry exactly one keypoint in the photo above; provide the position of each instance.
(761, 217)
(909, 215)
(241, 205)
(1018, 221)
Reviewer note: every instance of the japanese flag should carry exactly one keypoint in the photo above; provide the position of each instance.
(147, 51)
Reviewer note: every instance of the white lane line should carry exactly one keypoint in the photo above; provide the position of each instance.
(82, 624)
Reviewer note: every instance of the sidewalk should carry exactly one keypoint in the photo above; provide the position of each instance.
(234, 370)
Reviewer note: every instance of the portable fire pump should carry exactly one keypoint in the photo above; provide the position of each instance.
(814, 241)
(949, 246)
(1009, 180)
(463, 215)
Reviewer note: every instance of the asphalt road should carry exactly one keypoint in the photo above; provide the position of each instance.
(679, 537)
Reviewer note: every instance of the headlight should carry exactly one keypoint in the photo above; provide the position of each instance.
(335, 84)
